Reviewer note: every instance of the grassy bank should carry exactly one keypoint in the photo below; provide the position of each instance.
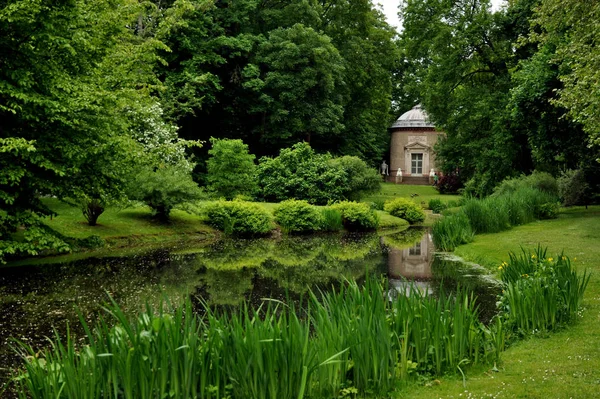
(564, 364)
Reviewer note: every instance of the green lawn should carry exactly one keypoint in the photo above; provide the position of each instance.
(567, 363)
(424, 194)
(117, 223)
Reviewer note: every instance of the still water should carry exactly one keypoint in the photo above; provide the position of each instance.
(35, 300)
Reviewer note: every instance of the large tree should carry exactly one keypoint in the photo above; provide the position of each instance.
(69, 70)
(272, 73)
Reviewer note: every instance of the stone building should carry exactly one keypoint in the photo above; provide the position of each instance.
(411, 149)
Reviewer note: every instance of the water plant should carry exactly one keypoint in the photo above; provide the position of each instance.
(331, 219)
(353, 338)
(452, 231)
(541, 293)
(493, 214)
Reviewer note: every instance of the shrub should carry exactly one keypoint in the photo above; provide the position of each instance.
(239, 218)
(405, 209)
(573, 188)
(300, 173)
(231, 169)
(449, 184)
(298, 216)
(361, 180)
(436, 205)
(163, 188)
(541, 181)
(452, 231)
(357, 216)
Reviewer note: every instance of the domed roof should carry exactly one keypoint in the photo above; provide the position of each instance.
(416, 117)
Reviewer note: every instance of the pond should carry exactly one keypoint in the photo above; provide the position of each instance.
(36, 299)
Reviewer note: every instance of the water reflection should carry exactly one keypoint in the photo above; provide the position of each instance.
(36, 299)
(410, 268)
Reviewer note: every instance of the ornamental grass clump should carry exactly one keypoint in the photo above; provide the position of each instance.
(541, 293)
(298, 217)
(405, 209)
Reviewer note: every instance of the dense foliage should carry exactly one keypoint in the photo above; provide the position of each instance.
(300, 173)
(405, 209)
(510, 88)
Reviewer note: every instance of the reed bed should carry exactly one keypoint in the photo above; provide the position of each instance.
(354, 339)
(492, 215)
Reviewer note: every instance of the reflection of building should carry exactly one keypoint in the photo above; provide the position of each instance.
(412, 263)
(411, 148)
(412, 266)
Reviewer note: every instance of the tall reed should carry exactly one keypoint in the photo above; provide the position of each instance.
(493, 214)
(355, 337)
(452, 231)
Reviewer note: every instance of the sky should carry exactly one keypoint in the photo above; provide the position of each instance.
(390, 9)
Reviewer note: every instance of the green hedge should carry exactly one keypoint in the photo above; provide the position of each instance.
(239, 218)
(357, 216)
(405, 209)
(297, 216)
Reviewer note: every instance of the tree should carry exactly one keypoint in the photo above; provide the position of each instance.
(231, 169)
(58, 121)
(572, 27)
(300, 82)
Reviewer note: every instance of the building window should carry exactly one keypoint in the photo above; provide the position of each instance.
(416, 250)
(416, 164)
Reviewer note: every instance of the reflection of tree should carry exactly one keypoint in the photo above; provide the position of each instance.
(295, 251)
(404, 239)
(227, 287)
(233, 254)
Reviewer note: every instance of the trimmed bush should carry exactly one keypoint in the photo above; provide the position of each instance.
(436, 205)
(405, 209)
(239, 218)
(357, 216)
(297, 216)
